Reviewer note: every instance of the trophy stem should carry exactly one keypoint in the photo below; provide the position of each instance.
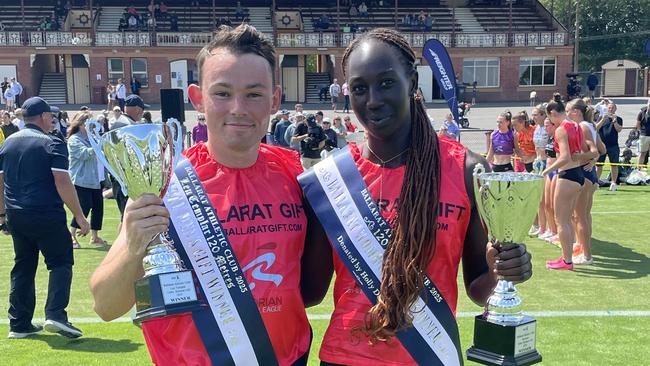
(504, 305)
(161, 257)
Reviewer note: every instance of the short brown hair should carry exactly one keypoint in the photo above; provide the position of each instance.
(239, 40)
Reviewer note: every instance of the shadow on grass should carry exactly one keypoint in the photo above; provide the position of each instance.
(614, 261)
(88, 344)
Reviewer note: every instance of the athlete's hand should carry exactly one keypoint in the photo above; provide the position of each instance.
(590, 165)
(511, 263)
(144, 218)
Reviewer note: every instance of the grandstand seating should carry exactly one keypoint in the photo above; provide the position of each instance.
(11, 16)
(524, 19)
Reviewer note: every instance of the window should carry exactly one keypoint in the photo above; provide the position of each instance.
(485, 71)
(139, 71)
(537, 71)
(115, 70)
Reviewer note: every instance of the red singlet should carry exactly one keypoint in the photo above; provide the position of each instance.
(574, 135)
(260, 208)
(343, 345)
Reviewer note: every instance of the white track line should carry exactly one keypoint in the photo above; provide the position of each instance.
(536, 314)
(618, 212)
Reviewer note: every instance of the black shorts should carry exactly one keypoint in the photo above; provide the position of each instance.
(590, 175)
(529, 166)
(613, 153)
(502, 168)
(574, 174)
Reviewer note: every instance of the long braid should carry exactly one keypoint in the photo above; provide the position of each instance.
(412, 244)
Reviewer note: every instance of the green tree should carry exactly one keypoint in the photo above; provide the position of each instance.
(616, 19)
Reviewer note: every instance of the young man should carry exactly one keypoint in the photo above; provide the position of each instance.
(237, 95)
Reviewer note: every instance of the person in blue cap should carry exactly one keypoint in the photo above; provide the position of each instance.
(34, 186)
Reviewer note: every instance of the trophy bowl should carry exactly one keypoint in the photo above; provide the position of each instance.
(507, 203)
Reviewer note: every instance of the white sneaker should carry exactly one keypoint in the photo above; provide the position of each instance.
(582, 261)
(534, 230)
(545, 235)
(613, 187)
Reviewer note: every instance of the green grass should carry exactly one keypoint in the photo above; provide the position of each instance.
(618, 280)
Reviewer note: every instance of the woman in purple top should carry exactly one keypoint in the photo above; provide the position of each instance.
(502, 145)
(200, 131)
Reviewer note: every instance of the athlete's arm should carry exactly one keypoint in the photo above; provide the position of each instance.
(112, 283)
(480, 269)
(316, 262)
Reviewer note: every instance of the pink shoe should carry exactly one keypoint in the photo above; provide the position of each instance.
(561, 265)
(559, 260)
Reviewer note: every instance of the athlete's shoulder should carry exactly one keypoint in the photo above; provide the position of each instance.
(451, 147)
(197, 154)
(278, 155)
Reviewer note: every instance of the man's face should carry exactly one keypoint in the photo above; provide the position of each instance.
(299, 107)
(611, 108)
(237, 96)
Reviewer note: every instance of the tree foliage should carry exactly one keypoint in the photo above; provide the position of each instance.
(606, 17)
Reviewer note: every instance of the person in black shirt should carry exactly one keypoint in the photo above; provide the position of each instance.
(8, 128)
(35, 184)
(330, 143)
(608, 128)
(643, 126)
(312, 140)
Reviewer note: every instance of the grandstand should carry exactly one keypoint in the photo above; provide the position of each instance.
(98, 41)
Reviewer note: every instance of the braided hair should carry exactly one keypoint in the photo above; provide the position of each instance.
(412, 244)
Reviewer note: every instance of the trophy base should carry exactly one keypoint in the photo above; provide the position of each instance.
(507, 345)
(165, 294)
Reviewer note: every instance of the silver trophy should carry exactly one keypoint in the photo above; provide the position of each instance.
(507, 203)
(142, 158)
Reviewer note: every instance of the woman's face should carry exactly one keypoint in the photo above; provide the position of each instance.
(518, 124)
(380, 88)
(549, 126)
(538, 117)
(556, 117)
(502, 123)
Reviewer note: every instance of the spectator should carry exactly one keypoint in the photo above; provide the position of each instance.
(450, 128)
(120, 93)
(132, 22)
(10, 99)
(353, 11)
(312, 140)
(363, 9)
(335, 90)
(323, 22)
(281, 128)
(63, 122)
(8, 128)
(131, 10)
(601, 107)
(298, 119)
(346, 95)
(322, 93)
(164, 10)
(330, 141)
(608, 127)
(56, 126)
(35, 185)
(17, 90)
(118, 119)
(4, 85)
(200, 131)
(110, 96)
(146, 117)
(18, 121)
(240, 12)
(341, 132)
(351, 127)
(643, 126)
(298, 108)
(428, 23)
(592, 83)
(84, 173)
(135, 86)
(173, 23)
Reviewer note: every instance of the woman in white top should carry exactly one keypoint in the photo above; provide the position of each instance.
(341, 132)
(540, 140)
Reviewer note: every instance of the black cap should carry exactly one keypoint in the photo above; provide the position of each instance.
(55, 109)
(134, 100)
(35, 106)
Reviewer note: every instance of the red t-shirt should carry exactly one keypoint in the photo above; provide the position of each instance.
(260, 208)
(343, 346)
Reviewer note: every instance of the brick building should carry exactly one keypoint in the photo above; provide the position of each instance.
(508, 48)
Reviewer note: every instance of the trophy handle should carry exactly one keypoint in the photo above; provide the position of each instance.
(94, 129)
(177, 131)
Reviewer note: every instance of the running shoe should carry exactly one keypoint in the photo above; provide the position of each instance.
(555, 240)
(545, 235)
(22, 333)
(613, 187)
(577, 249)
(560, 265)
(582, 260)
(534, 230)
(65, 329)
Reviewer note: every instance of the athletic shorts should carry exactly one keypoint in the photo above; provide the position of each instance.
(644, 143)
(502, 168)
(590, 175)
(613, 153)
(574, 174)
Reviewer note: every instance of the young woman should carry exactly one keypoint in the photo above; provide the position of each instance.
(502, 144)
(540, 139)
(524, 140)
(341, 132)
(110, 96)
(570, 180)
(581, 113)
(550, 234)
(410, 173)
